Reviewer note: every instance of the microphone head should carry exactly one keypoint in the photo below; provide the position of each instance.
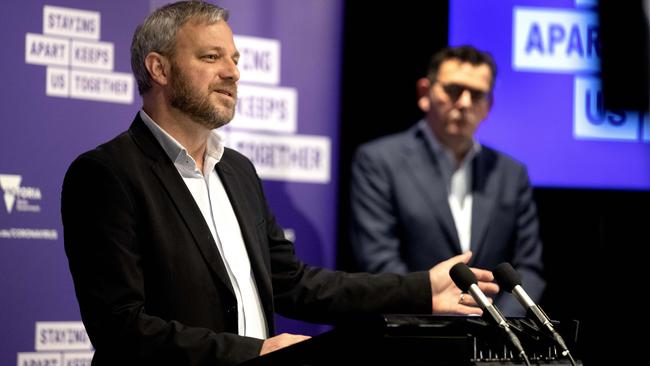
(462, 276)
(506, 276)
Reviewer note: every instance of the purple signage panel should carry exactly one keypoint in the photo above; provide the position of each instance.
(68, 87)
(548, 109)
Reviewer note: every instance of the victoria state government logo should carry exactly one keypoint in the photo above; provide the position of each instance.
(19, 197)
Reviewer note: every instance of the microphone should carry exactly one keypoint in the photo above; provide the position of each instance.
(510, 280)
(464, 278)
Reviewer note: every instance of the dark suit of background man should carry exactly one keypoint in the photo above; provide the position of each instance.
(431, 192)
(175, 255)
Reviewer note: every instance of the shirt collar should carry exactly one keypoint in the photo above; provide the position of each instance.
(441, 151)
(174, 149)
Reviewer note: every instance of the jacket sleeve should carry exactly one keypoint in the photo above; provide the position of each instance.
(374, 223)
(100, 220)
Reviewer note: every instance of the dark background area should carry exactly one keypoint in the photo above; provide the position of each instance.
(595, 241)
(625, 61)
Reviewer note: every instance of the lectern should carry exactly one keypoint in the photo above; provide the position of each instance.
(407, 340)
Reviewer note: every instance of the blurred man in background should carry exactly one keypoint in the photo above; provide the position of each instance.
(424, 195)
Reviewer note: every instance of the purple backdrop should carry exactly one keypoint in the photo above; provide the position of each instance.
(540, 108)
(46, 122)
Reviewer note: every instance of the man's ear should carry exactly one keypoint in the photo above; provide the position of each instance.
(423, 88)
(157, 65)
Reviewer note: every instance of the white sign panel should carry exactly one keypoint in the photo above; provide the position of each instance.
(93, 55)
(555, 40)
(57, 82)
(259, 60)
(61, 336)
(72, 23)
(297, 158)
(77, 358)
(39, 359)
(44, 50)
(591, 121)
(266, 109)
(108, 87)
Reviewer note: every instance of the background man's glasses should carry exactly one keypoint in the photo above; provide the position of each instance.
(454, 91)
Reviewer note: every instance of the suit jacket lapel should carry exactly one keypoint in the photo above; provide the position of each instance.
(425, 170)
(238, 199)
(166, 172)
(484, 191)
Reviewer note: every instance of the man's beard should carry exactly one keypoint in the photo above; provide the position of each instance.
(198, 107)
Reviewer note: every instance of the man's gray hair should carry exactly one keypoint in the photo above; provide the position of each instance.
(158, 33)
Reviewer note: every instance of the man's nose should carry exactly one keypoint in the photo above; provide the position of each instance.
(464, 99)
(230, 71)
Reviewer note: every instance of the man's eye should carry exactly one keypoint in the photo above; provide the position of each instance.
(211, 57)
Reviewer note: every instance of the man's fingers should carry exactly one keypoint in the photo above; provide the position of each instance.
(489, 288)
(468, 300)
(483, 275)
(465, 257)
(467, 310)
(281, 341)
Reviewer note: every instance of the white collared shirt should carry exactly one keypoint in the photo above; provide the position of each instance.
(458, 179)
(211, 197)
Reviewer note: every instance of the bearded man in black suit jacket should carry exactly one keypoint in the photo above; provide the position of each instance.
(175, 255)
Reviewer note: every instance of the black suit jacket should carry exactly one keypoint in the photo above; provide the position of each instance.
(150, 282)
